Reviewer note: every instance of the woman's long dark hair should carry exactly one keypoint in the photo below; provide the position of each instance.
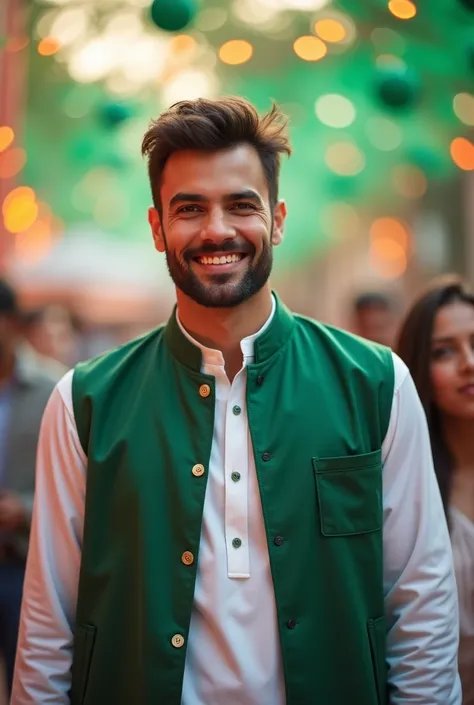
(414, 347)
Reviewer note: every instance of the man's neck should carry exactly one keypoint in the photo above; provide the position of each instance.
(224, 328)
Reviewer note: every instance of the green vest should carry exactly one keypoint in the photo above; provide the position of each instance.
(319, 402)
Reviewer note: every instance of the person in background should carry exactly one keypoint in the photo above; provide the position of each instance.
(374, 316)
(26, 382)
(50, 331)
(436, 341)
(262, 523)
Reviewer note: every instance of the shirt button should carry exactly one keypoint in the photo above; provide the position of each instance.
(259, 381)
(236, 543)
(279, 541)
(198, 470)
(235, 476)
(177, 641)
(204, 390)
(187, 558)
(266, 457)
(236, 410)
(291, 624)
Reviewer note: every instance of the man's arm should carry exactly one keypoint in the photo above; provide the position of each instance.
(420, 589)
(44, 655)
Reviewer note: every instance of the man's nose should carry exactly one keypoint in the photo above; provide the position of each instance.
(217, 226)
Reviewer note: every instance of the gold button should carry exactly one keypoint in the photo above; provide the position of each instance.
(198, 470)
(187, 558)
(177, 641)
(204, 390)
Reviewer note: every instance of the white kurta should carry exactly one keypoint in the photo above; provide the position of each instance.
(233, 652)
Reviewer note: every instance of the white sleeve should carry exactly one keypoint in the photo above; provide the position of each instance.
(44, 653)
(420, 588)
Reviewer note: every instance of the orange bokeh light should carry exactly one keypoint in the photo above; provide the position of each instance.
(390, 229)
(35, 243)
(388, 257)
(16, 44)
(12, 162)
(48, 46)
(330, 30)
(402, 9)
(310, 48)
(462, 153)
(236, 51)
(6, 137)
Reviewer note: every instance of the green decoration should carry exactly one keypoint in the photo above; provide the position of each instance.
(172, 15)
(115, 113)
(397, 87)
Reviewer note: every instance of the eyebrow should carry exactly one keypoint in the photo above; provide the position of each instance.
(246, 195)
(446, 339)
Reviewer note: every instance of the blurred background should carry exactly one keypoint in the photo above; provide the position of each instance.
(380, 189)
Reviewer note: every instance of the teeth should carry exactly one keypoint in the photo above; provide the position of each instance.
(224, 259)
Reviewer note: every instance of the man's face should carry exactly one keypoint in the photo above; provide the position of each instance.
(217, 227)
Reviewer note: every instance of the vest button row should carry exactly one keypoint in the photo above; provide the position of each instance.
(187, 558)
(291, 623)
(198, 470)
(177, 641)
(266, 457)
(278, 540)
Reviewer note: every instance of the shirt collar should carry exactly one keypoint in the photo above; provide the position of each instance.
(261, 345)
(215, 357)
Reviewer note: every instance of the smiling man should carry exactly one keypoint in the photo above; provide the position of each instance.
(238, 508)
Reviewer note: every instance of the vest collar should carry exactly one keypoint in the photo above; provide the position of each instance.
(265, 345)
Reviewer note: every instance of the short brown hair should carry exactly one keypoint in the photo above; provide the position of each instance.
(214, 125)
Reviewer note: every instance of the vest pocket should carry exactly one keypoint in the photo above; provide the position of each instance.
(377, 631)
(349, 490)
(84, 639)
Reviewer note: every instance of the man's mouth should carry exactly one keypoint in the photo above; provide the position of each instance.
(219, 259)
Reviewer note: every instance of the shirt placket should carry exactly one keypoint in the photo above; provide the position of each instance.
(236, 481)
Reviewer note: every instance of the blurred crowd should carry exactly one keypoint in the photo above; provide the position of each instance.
(434, 337)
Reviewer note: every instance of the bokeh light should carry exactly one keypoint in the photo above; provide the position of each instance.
(345, 158)
(6, 137)
(335, 110)
(463, 106)
(390, 241)
(409, 181)
(388, 258)
(330, 30)
(235, 51)
(402, 9)
(20, 210)
(310, 48)
(12, 162)
(462, 153)
(383, 133)
(49, 46)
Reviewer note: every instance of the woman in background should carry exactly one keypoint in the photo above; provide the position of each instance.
(436, 341)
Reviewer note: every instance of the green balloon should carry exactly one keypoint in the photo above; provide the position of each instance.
(172, 15)
(397, 87)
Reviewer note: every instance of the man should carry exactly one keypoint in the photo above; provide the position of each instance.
(375, 318)
(26, 382)
(261, 524)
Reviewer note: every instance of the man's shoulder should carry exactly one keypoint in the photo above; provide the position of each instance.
(341, 341)
(128, 355)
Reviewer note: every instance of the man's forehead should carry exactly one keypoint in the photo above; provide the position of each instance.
(227, 171)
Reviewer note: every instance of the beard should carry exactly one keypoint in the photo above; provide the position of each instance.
(221, 290)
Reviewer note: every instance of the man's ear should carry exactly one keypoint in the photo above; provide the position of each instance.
(156, 229)
(279, 216)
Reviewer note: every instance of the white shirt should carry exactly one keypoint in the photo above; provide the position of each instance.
(233, 655)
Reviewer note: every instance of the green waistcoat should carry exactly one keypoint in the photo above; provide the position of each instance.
(319, 403)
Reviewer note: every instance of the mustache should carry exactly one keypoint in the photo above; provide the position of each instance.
(212, 249)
